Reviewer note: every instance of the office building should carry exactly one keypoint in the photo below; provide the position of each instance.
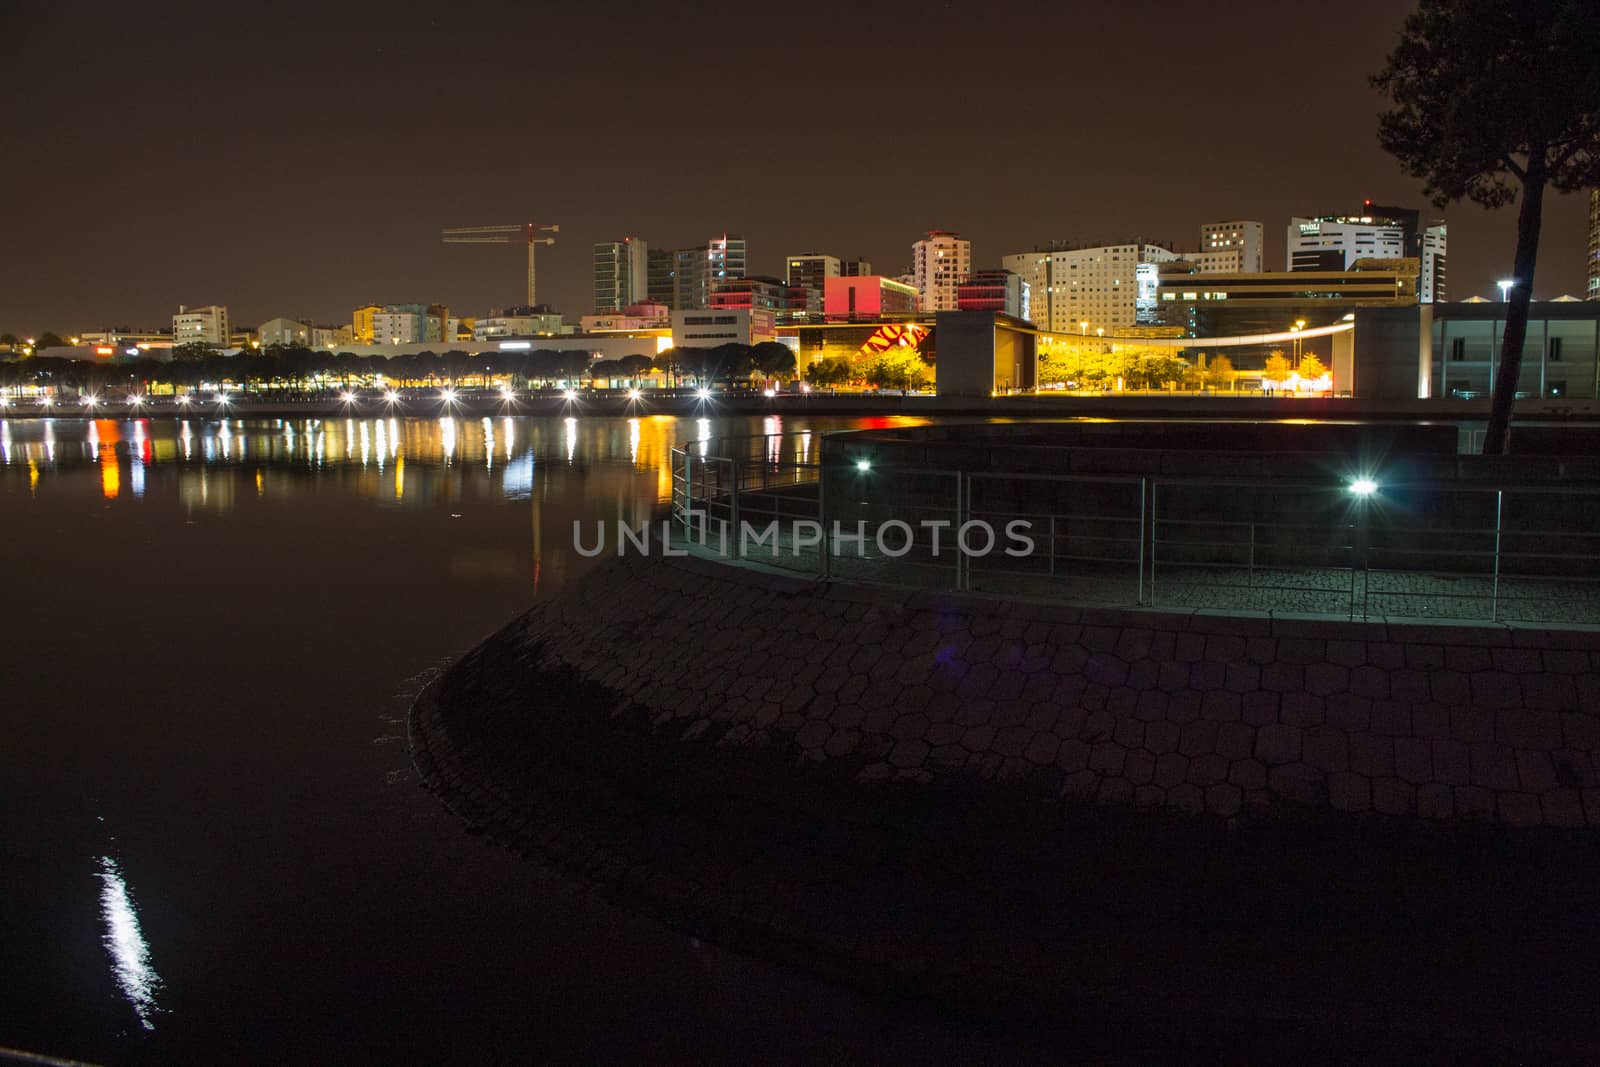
(1085, 289)
(642, 316)
(330, 336)
(1593, 289)
(994, 290)
(855, 268)
(1432, 282)
(361, 330)
(286, 332)
(538, 321)
(1229, 248)
(202, 325)
(710, 327)
(938, 263)
(867, 297)
(621, 274)
(661, 277)
(811, 270)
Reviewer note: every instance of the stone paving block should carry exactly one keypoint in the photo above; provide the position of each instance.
(1435, 802)
(1073, 755)
(1494, 767)
(1278, 744)
(1517, 660)
(1012, 740)
(1042, 748)
(1298, 782)
(1208, 769)
(1496, 689)
(1471, 724)
(1325, 748)
(1391, 718)
(1197, 737)
(1162, 736)
(1184, 707)
(1413, 759)
(1152, 705)
(1325, 679)
(1248, 774)
(1372, 757)
(1115, 792)
(1301, 650)
(1235, 740)
(1172, 769)
(1549, 692)
(1562, 807)
(1147, 797)
(1350, 712)
(1390, 796)
(1468, 660)
(1139, 767)
(1261, 650)
(1259, 708)
(1519, 809)
(1186, 797)
(1564, 661)
(1348, 791)
(1301, 709)
(1525, 728)
(1220, 705)
(1450, 687)
(1581, 731)
(1107, 757)
(1536, 771)
(1224, 800)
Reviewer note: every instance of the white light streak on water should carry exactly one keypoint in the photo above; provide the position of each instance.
(124, 941)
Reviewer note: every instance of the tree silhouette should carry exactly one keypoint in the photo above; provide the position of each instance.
(1491, 97)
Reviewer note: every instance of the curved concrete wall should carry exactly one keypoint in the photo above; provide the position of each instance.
(1155, 709)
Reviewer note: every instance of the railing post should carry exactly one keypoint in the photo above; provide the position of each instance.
(822, 520)
(1147, 537)
(1052, 545)
(963, 505)
(1494, 593)
(733, 510)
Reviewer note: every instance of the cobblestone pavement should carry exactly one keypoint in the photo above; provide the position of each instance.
(943, 793)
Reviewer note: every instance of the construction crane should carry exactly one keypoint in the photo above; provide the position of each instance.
(504, 235)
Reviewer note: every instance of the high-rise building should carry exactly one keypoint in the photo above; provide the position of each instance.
(660, 271)
(994, 290)
(1101, 285)
(855, 268)
(1229, 248)
(938, 263)
(695, 271)
(400, 324)
(811, 270)
(1594, 245)
(361, 331)
(1432, 278)
(621, 274)
(204, 325)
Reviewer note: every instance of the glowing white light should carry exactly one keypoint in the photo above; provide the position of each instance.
(135, 399)
(633, 394)
(863, 464)
(505, 391)
(703, 394)
(222, 398)
(568, 394)
(448, 396)
(392, 397)
(1363, 487)
(88, 401)
(348, 397)
(124, 941)
(48, 402)
(769, 393)
(184, 399)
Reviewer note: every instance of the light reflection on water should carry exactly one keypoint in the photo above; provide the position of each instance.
(125, 943)
(390, 460)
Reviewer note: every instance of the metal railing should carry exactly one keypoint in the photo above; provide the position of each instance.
(1412, 550)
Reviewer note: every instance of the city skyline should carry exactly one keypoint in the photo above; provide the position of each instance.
(279, 187)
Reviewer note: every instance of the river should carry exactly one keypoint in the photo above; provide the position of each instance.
(214, 846)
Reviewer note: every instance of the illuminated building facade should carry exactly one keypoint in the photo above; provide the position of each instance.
(361, 329)
(994, 290)
(641, 316)
(866, 298)
(203, 325)
(1084, 289)
(1229, 248)
(1592, 292)
(710, 327)
(538, 321)
(811, 270)
(938, 263)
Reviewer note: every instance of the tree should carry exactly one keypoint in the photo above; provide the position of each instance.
(1490, 97)
(191, 351)
(828, 372)
(1277, 368)
(773, 359)
(1312, 368)
(48, 340)
(898, 368)
(1218, 372)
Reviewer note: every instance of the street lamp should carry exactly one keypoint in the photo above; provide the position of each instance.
(1505, 288)
(1084, 326)
(1299, 324)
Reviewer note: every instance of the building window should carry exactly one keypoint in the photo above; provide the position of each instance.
(1554, 345)
(1458, 349)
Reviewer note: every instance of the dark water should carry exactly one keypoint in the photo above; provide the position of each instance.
(214, 848)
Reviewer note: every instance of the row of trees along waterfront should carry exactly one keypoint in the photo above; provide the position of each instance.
(303, 369)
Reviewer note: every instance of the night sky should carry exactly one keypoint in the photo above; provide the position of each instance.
(295, 160)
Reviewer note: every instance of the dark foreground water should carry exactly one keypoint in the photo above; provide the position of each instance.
(212, 845)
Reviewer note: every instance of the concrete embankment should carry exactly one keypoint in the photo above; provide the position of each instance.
(1342, 825)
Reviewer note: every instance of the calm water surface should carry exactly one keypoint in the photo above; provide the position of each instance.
(214, 848)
